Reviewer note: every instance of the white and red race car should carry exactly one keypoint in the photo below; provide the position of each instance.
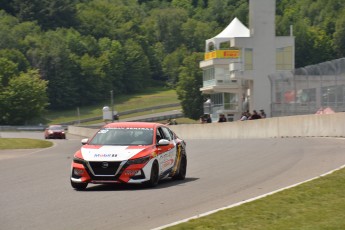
(129, 152)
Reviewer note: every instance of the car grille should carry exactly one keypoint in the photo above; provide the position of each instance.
(99, 168)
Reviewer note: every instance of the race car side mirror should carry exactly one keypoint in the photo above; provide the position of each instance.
(84, 141)
(163, 142)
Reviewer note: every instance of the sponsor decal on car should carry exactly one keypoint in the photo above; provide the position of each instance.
(104, 155)
(167, 163)
(131, 172)
(117, 153)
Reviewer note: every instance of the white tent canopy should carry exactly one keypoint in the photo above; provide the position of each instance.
(233, 30)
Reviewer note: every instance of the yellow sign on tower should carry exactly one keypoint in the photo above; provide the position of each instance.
(222, 54)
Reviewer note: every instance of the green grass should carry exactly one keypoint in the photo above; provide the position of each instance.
(182, 120)
(150, 97)
(23, 143)
(319, 204)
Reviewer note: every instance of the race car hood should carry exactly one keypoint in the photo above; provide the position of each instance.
(109, 153)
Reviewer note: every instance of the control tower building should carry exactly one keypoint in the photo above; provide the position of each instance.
(238, 61)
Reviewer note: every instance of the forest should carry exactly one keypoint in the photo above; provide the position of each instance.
(60, 54)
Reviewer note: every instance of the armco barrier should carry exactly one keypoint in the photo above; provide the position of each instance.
(325, 125)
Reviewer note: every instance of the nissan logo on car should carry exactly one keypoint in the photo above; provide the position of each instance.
(105, 164)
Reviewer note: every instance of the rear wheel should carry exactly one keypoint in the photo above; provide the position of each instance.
(78, 186)
(154, 178)
(181, 175)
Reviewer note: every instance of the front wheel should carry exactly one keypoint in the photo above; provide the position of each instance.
(78, 186)
(154, 178)
(181, 175)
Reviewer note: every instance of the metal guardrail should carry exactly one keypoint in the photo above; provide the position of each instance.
(160, 118)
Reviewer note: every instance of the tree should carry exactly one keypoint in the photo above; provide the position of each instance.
(171, 65)
(49, 14)
(24, 99)
(312, 45)
(8, 69)
(7, 24)
(138, 75)
(7, 6)
(115, 19)
(195, 33)
(13, 33)
(188, 88)
(223, 11)
(113, 64)
(153, 56)
(167, 24)
(16, 57)
(50, 54)
(339, 35)
(93, 79)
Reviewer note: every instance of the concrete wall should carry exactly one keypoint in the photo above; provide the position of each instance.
(326, 125)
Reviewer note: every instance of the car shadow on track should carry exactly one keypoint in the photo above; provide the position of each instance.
(130, 187)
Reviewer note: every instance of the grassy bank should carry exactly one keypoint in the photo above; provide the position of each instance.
(318, 204)
(150, 97)
(23, 143)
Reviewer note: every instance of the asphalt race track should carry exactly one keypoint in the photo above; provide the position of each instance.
(36, 192)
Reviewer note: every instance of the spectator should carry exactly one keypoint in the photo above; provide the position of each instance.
(222, 118)
(262, 113)
(255, 115)
(202, 119)
(208, 118)
(244, 117)
(248, 114)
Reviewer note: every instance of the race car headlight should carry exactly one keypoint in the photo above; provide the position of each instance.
(78, 160)
(141, 160)
(78, 172)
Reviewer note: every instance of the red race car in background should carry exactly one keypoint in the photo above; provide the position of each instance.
(129, 152)
(54, 132)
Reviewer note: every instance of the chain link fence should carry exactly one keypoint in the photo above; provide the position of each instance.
(309, 90)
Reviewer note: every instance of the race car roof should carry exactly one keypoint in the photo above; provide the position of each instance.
(132, 125)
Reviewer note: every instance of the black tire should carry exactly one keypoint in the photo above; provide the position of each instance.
(78, 186)
(154, 178)
(181, 175)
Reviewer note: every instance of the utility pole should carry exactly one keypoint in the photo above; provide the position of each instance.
(112, 105)
(78, 114)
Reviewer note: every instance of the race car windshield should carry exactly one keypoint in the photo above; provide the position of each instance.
(123, 136)
(55, 128)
